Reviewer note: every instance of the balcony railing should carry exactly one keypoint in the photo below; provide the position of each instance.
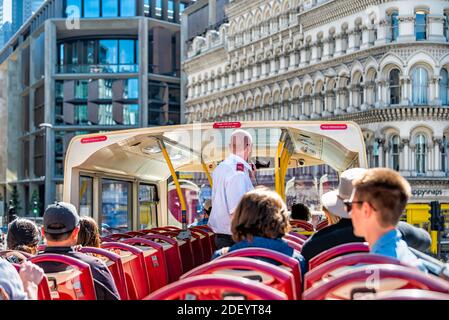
(98, 68)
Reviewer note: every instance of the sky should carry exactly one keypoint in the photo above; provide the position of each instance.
(7, 10)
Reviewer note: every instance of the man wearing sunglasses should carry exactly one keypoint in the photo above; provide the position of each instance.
(376, 205)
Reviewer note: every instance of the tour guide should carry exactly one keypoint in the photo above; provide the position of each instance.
(231, 180)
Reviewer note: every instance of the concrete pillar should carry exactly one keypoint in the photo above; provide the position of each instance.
(49, 83)
(143, 74)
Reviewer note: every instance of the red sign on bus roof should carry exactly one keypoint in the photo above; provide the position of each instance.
(227, 125)
(332, 126)
(94, 139)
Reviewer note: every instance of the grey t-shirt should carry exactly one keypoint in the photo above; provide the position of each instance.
(10, 281)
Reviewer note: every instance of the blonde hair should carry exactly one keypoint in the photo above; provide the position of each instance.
(331, 218)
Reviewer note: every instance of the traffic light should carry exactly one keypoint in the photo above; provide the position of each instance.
(35, 209)
(436, 218)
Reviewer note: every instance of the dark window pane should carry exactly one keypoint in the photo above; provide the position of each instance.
(81, 116)
(86, 196)
(108, 52)
(105, 89)
(105, 116)
(131, 114)
(158, 8)
(420, 25)
(91, 8)
(110, 8)
(131, 89)
(81, 89)
(116, 208)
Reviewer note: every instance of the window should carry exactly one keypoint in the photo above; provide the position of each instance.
(131, 114)
(444, 152)
(105, 116)
(105, 89)
(420, 86)
(108, 52)
(395, 88)
(375, 158)
(171, 10)
(131, 90)
(127, 8)
(420, 152)
(81, 89)
(110, 8)
(444, 87)
(91, 8)
(127, 55)
(158, 8)
(394, 152)
(394, 25)
(86, 196)
(421, 25)
(148, 200)
(81, 116)
(115, 206)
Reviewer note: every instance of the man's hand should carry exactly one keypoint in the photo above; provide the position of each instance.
(31, 276)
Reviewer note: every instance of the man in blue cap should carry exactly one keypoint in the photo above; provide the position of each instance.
(61, 227)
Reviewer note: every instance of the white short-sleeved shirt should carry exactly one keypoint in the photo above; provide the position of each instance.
(230, 182)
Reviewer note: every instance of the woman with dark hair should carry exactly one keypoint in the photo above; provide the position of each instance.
(261, 220)
(89, 234)
(23, 235)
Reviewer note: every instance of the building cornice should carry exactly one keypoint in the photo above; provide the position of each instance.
(203, 61)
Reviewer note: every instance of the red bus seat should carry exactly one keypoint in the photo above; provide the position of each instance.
(172, 255)
(43, 290)
(213, 287)
(154, 259)
(135, 233)
(206, 244)
(288, 262)
(337, 251)
(293, 244)
(265, 272)
(76, 283)
(294, 239)
(322, 224)
(134, 267)
(323, 270)
(119, 236)
(406, 294)
(211, 235)
(361, 280)
(115, 266)
(307, 226)
(298, 235)
(185, 248)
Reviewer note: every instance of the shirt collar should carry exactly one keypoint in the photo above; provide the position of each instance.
(240, 160)
(391, 236)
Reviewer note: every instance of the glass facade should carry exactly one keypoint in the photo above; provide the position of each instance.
(98, 56)
(100, 8)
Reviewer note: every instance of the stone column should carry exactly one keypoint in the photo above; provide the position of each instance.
(437, 155)
(326, 49)
(406, 28)
(381, 33)
(381, 102)
(314, 56)
(303, 59)
(292, 60)
(283, 66)
(406, 155)
(366, 31)
(405, 94)
(436, 101)
(255, 74)
(381, 153)
(351, 41)
(273, 66)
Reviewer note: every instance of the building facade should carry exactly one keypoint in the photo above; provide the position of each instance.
(383, 64)
(77, 67)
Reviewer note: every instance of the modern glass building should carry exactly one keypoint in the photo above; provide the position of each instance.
(83, 66)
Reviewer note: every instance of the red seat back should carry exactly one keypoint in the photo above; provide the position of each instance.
(280, 279)
(323, 270)
(79, 285)
(213, 287)
(119, 236)
(115, 266)
(337, 251)
(43, 290)
(321, 225)
(211, 234)
(294, 239)
(298, 235)
(374, 279)
(154, 259)
(206, 243)
(134, 267)
(293, 244)
(281, 258)
(135, 233)
(172, 255)
(302, 224)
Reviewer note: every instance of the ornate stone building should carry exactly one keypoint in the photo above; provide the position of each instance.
(383, 64)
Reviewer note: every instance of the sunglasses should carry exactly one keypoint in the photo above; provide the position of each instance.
(349, 204)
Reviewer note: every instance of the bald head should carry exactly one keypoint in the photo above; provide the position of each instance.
(241, 143)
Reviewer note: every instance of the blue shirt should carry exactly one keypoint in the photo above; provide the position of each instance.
(392, 245)
(201, 222)
(10, 281)
(278, 245)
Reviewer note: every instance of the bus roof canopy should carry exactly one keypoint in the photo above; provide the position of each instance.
(137, 153)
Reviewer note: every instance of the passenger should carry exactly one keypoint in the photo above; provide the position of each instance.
(340, 229)
(231, 180)
(300, 212)
(379, 198)
(89, 234)
(207, 207)
(61, 228)
(22, 285)
(261, 220)
(23, 235)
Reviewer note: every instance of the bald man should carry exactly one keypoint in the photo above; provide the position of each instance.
(231, 180)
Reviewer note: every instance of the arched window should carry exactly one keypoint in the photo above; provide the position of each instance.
(394, 152)
(360, 96)
(444, 87)
(375, 158)
(420, 85)
(395, 87)
(394, 24)
(421, 25)
(446, 25)
(444, 152)
(420, 153)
